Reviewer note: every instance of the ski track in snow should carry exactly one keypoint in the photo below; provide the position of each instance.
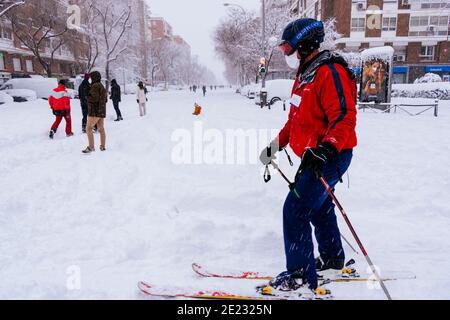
(130, 214)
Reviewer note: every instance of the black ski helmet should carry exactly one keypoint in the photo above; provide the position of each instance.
(304, 35)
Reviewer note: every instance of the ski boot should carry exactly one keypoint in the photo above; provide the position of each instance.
(70, 135)
(336, 269)
(102, 148)
(293, 286)
(52, 134)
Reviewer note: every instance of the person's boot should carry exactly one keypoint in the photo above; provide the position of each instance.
(70, 135)
(52, 134)
(329, 264)
(88, 150)
(102, 148)
(117, 120)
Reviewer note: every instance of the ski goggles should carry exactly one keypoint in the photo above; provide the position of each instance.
(286, 48)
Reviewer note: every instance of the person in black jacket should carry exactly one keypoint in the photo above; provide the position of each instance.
(116, 98)
(83, 92)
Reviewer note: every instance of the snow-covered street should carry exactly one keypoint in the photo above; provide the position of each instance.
(84, 227)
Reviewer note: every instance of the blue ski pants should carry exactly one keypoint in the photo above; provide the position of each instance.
(311, 205)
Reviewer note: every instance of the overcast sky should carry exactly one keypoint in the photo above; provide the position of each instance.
(195, 21)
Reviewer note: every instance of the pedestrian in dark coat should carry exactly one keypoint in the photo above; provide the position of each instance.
(116, 97)
(97, 99)
(83, 92)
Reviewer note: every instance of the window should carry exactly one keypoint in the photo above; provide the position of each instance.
(427, 53)
(390, 24)
(421, 21)
(5, 33)
(358, 25)
(2, 61)
(29, 64)
(428, 26)
(434, 4)
(17, 64)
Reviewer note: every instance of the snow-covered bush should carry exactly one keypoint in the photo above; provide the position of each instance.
(430, 90)
(429, 78)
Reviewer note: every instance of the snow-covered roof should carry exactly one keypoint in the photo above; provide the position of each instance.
(377, 53)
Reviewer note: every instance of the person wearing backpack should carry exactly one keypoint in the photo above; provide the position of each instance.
(321, 130)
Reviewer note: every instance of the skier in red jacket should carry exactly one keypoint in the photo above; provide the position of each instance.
(321, 131)
(60, 104)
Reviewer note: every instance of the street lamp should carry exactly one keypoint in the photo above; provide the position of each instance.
(226, 4)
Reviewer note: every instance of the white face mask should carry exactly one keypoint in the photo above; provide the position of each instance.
(293, 61)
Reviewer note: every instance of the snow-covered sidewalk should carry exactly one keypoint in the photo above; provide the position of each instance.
(75, 226)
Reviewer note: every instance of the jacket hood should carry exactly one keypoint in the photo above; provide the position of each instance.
(96, 77)
(59, 88)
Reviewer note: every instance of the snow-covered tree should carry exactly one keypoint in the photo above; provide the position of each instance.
(6, 5)
(112, 26)
(239, 42)
(331, 35)
(40, 27)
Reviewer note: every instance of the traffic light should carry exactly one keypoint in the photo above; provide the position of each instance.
(263, 66)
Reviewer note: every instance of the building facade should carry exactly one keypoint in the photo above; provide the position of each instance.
(16, 60)
(418, 30)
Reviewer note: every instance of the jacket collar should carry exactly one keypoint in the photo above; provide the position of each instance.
(307, 73)
(60, 88)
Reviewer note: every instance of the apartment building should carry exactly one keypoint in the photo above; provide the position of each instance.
(160, 29)
(16, 60)
(418, 30)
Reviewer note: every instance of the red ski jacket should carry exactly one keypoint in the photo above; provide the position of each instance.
(59, 100)
(323, 109)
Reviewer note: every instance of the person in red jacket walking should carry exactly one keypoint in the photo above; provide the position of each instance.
(60, 104)
(321, 130)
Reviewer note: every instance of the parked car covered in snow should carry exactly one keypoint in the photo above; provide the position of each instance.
(277, 90)
(43, 87)
(5, 98)
(21, 95)
(249, 91)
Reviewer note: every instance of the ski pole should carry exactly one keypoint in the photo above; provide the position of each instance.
(355, 235)
(292, 187)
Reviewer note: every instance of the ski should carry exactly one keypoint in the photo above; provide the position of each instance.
(150, 290)
(179, 293)
(347, 275)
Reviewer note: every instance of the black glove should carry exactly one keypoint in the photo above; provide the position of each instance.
(270, 153)
(315, 159)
